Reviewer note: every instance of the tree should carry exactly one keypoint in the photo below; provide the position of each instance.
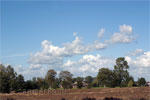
(105, 77)
(79, 81)
(121, 71)
(66, 79)
(89, 81)
(141, 81)
(42, 84)
(19, 83)
(50, 77)
(12, 77)
(130, 83)
(95, 82)
(7, 79)
(4, 84)
(56, 83)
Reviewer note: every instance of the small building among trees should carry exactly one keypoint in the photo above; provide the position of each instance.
(147, 84)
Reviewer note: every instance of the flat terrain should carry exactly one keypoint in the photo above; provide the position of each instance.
(134, 93)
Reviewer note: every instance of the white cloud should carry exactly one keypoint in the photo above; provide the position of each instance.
(69, 63)
(126, 29)
(52, 50)
(141, 61)
(35, 66)
(88, 65)
(42, 58)
(136, 52)
(34, 70)
(101, 32)
(52, 56)
(76, 47)
(124, 36)
(19, 69)
(98, 45)
(138, 72)
(139, 66)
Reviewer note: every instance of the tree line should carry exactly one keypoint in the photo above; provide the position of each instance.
(10, 81)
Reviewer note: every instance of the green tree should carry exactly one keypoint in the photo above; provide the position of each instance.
(42, 84)
(7, 79)
(50, 77)
(56, 83)
(95, 82)
(4, 84)
(34, 83)
(79, 81)
(12, 77)
(141, 81)
(121, 72)
(19, 83)
(105, 77)
(89, 81)
(66, 79)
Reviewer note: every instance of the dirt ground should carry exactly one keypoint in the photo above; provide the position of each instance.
(134, 93)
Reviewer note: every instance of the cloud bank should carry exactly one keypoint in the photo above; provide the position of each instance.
(59, 57)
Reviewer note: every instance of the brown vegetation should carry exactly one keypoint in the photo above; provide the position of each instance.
(135, 93)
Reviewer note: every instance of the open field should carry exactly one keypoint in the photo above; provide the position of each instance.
(135, 93)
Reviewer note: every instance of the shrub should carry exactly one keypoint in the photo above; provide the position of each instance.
(63, 99)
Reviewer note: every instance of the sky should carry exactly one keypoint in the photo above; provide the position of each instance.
(78, 36)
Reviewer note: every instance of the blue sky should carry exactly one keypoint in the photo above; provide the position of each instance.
(26, 24)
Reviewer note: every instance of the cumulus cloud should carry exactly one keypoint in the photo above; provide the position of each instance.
(97, 45)
(124, 36)
(42, 58)
(88, 65)
(34, 70)
(140, 66)
(35, 66)
(126, 29)
(52, 56)
(138, 72)
(140, 61)
(76, 47)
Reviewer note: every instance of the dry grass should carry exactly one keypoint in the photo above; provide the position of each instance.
(135, 93)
